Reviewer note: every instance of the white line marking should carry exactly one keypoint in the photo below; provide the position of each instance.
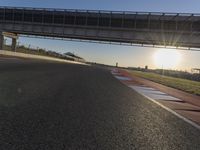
(153, 93)
(169, 110)
(123, 78)
(173, 112)
(116, 73)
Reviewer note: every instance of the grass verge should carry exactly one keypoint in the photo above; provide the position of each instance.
(189, 86)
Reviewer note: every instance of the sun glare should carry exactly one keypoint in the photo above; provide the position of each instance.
(167, 59)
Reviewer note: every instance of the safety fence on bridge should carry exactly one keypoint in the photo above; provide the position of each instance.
(186, 22)
(144, 28)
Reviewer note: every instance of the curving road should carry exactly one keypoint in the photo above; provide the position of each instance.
(57, 106)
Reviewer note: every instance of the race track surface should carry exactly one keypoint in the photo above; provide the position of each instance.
(57, 106)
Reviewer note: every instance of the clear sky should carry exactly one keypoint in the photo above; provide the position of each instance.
(110, 54)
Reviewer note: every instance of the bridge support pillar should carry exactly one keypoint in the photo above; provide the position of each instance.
(14, 42)
(1, 40)
(14, 38)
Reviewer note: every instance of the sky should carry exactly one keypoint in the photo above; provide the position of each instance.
(127, 56)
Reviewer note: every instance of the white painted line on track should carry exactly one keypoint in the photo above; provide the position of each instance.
(141, 89)
(123, 78)
(116, 73)
(153, 93)
(174, 113)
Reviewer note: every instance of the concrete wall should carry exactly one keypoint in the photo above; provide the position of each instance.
(31, 56)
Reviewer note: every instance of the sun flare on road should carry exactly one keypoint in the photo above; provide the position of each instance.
(167, 59)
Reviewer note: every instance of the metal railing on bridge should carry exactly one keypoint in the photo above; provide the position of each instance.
(180, 22)
(151, 28)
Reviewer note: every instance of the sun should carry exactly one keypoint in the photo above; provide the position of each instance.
(167, 58)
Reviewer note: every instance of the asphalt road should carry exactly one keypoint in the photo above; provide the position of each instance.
(57, 106)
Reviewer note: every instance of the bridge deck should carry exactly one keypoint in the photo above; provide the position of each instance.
(168, 25)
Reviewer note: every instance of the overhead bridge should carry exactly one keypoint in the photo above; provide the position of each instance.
(144, 28)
